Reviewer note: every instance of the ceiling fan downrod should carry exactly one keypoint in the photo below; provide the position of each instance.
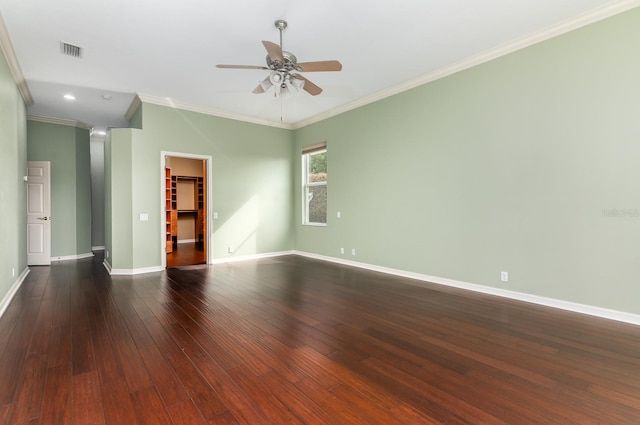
(281, 25)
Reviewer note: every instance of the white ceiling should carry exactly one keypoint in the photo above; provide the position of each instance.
(167, 50)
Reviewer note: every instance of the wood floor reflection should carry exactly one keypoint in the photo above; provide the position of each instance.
(186, 254)
(291, 340)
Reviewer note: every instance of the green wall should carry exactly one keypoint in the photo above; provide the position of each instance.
(527, 164)
(118, 201)
(13, 166)
(251, 184)
(96, 149)
(67, 148)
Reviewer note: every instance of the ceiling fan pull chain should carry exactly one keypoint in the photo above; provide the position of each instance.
(281, 110)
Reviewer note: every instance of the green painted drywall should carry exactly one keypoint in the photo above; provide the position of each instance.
(118, 201)
(251, 183)
(13, 162)
(108, 205)
(67, 148)
(83, 191)
(97, 193)
(526, 164)
(136, 118)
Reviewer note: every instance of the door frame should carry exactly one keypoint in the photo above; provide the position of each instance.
(163, 205)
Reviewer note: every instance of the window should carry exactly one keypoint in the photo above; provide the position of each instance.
(314, 173)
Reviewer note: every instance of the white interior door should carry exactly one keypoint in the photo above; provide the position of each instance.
(39, 213)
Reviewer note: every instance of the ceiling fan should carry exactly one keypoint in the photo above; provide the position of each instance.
(285, 69)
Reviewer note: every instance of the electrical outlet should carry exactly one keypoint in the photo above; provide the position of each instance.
(338, 215)
(504, 276)
(353, 251)
(13, 272)
(230, 250)
(106, 253)
(341, 250)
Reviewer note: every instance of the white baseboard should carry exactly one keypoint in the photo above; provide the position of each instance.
(107, 266)
(129, 272)
(124, 272)
(72, 257)
(97, 248)
(6, 300)
(186, 241)
(619, 316)
(251, 257)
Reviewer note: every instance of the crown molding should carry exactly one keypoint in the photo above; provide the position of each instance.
(12, 61)
(135, 104)
(143, 98)
(563, 27)
(60, 121)
(598, 14)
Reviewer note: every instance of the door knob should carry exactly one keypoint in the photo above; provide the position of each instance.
(43, 218)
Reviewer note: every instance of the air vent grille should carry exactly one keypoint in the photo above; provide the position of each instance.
(70, 50)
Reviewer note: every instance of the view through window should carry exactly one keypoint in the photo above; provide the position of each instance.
(314, 162)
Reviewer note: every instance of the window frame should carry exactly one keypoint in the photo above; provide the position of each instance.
(307, 152)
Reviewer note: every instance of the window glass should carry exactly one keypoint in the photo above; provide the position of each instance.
(315, 187)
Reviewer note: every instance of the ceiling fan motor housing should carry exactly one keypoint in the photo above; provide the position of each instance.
(290, 63)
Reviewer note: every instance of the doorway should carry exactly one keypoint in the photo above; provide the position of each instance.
(185, 208)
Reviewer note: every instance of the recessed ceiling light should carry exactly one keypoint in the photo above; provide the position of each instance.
(69, 97)
(106, 96)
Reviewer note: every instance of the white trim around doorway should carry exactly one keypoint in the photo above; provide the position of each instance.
(209, 236)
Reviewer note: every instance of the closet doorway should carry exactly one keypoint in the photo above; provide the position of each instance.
(185, 196)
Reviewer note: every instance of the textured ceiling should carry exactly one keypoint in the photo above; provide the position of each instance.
(166, 51)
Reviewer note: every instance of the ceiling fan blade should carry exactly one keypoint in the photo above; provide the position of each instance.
(320, 66)
(275, 52)
(241, 67)
(261, 87)
(309, 87)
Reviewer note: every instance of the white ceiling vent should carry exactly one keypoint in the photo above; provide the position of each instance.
(70, 50)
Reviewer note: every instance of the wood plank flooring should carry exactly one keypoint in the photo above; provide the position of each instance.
(291, 340)
(186, 254)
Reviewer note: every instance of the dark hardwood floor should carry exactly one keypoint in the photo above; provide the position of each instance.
(291, 340)
(186, 254)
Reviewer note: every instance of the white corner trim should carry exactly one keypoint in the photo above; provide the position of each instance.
(251, 257)
(60, 121)
(129, 272)
(207, 111)
(563, 27)
(619, 316)
(10, 55)
(6, 300)
(97, 248)
(72, 257)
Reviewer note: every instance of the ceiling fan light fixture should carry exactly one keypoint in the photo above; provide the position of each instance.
(276, 78)
(295, 84)
(284, 69)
